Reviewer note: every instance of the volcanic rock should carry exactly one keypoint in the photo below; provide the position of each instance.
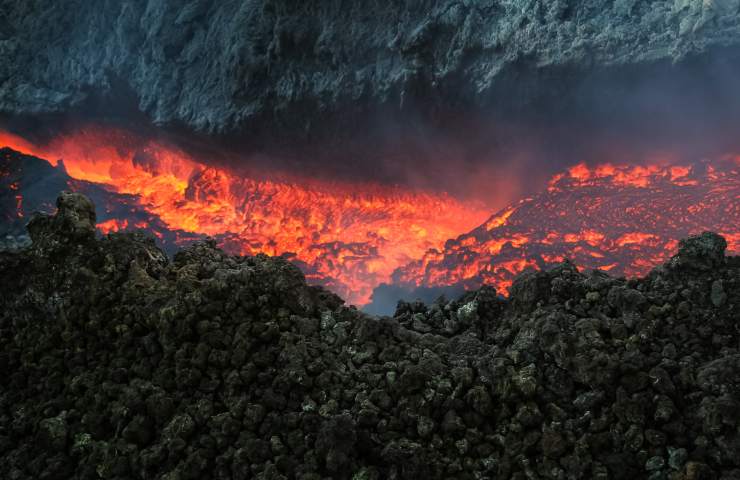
(120, 363)
(74, 221)
(222, 66)
(703, 252)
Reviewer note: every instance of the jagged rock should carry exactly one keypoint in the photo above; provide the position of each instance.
(73, 222)
(700, 252)
(530, 288)
(120, 363)
(14, 242)
(220, 66)
(53, 432)
(677, 457)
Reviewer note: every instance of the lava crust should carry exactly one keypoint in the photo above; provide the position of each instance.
(121, 364)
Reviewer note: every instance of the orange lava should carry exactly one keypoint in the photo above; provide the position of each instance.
(348, 236)
(351, 237)
(621, 219)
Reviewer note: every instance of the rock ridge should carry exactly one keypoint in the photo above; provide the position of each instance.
(123, 364)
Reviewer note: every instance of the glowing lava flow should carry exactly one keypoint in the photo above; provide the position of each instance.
(621, 219)
(349, 237)
(353, 237)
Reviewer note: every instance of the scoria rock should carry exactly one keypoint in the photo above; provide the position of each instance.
(120, 363)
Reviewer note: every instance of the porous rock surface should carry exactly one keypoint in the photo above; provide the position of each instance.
(222, 66)
(120, 364)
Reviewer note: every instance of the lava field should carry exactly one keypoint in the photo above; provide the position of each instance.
(355, 238)
(624, 220)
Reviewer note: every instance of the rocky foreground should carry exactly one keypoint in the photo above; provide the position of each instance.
(119, 363)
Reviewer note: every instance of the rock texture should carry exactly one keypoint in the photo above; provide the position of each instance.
(29, 184)
(224, 66)
(121, 364)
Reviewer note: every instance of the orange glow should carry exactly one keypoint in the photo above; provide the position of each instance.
(19, 205)
(591, 237)
(349, 235)
(627, 176)
(607, 268)
(498, 220)
(552, 258)
(621, 219)
(733, 240)
(112, 225)
(637, 238)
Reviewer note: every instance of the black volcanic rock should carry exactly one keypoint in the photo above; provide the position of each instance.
(121, 364)
(222, 66)
(702, 252)
(74, 222)
(29, 184)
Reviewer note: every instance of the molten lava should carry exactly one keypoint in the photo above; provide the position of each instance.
(351, 237)
(621, 219)
(346, 236)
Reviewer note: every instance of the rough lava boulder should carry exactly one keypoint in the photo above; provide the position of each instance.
(119, 364)
(74, 222)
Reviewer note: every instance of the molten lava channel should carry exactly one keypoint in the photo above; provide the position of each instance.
(352, 237)
(347, 236)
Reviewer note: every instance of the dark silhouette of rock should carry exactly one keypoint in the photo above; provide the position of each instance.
(701, 252)
(118, 363)
(74, 221)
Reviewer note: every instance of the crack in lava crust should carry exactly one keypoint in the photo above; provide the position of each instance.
(348, 237)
